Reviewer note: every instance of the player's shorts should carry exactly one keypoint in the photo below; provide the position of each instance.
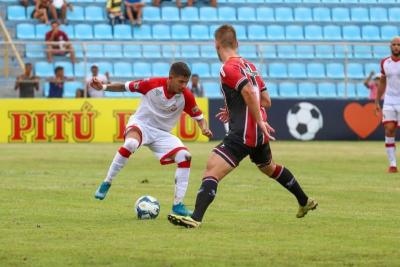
(162, 143)
(391, 113)
(233, 151)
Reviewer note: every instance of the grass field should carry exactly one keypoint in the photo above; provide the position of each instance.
(48, 216)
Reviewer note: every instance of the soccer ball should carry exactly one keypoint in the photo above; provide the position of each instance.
(147, 207)
(304, 121)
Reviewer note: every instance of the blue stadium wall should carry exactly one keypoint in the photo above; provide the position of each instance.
(301, 119)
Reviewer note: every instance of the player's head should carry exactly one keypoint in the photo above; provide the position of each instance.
(95, 70)
(179, 75)
(225, 39)
(59, 71)
(395, 46)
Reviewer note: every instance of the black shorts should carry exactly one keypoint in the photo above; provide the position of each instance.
(233, 151)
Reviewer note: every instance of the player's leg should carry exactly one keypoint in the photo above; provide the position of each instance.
(390, 125)
(262, 157)
(133, 139)
(223, 159)
(169, 149)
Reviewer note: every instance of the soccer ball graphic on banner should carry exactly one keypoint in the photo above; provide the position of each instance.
(147, 207)
(304, 121)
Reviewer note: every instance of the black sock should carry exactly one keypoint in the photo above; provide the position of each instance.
(205, 196)
(287, 180)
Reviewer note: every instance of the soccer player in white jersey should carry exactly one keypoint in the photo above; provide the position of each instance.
(390, 86)
(163, 101)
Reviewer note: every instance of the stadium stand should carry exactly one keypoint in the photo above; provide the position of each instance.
(316, 68)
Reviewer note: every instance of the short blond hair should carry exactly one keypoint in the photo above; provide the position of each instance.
(226, 36)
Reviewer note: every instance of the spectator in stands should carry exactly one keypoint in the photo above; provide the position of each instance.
(133, 10)
(57, 83)
(373, 84)
(60, 45)
(114, 9)
(27, 83)
(41, 11)
(27, 3)
(195, 86)
(58, 9)
(79, 93)
(104, 79)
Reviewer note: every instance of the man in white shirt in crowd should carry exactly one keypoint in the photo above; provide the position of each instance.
(104, 79)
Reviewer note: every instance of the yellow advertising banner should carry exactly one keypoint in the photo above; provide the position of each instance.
(79, 120)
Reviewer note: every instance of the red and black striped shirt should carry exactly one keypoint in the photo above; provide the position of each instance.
(235, 74)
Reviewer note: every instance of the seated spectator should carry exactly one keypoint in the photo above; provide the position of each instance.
(27, 83)
(58, 9)
(114, 9)
(133, 10)
(41, 11)
(104, 79)
(195, 87)
(59, 43)
(27, 3)
(57, 83)
(373, 86)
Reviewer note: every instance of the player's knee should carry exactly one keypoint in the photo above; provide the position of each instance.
(131, 144)
(183, 158)
(268, 168)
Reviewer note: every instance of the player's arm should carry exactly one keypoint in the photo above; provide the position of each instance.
(379, 94)
(253, 104)
(194, 111)
(112, 87)
(265, 99)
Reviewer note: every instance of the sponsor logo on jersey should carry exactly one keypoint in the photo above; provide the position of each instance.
(136, 85)
(158, 92)
(173, 108)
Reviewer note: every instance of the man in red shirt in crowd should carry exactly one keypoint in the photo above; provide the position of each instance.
(58, 43)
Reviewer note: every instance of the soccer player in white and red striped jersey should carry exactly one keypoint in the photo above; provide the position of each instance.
(390, 86)
(245, 96)
(163, 101)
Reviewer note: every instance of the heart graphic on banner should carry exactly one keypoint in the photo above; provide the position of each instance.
(361, 119)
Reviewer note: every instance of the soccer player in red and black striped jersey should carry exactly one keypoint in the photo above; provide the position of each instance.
(249, 133)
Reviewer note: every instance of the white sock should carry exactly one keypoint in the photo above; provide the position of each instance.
(182, 173)
(121, 158)
(181, 184)
(391, 150)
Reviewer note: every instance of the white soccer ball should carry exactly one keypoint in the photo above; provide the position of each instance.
(147, 207)
(304, 121)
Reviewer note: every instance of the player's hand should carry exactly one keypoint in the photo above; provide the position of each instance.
(223, 115)
(267, 130)
(96, 84)
(207, 132)
(378, 109)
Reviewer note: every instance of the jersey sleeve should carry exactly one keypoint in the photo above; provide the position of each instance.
(233, 76)
(140, 86)
(191, 107)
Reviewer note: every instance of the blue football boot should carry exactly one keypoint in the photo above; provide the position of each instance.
(180, 209)
(102, 190)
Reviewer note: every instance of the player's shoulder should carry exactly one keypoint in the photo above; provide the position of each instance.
(383, 60)
(187, 93)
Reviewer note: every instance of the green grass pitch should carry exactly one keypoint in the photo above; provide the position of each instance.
(49, 217)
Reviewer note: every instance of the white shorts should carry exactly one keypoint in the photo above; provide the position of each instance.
(162, 143)
(391, 113)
